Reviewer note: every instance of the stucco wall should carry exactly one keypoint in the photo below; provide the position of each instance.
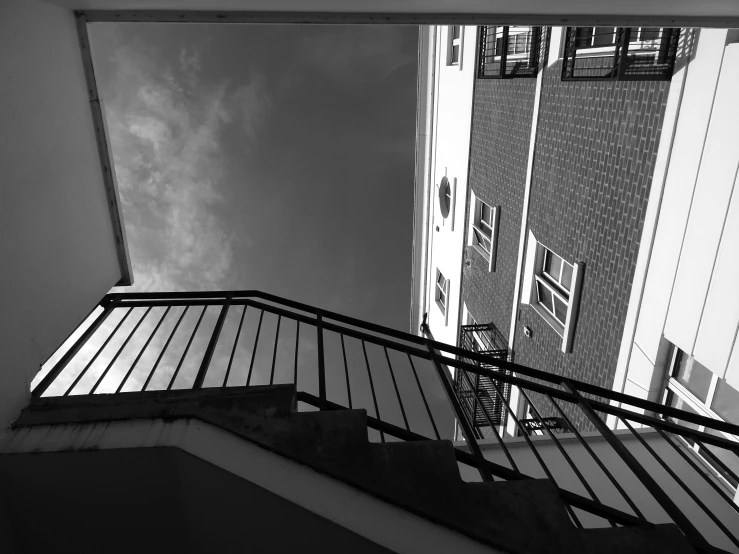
(57, 247)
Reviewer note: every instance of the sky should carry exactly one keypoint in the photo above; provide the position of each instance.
(278, 158)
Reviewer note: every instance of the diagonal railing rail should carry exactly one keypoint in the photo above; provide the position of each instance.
(640, 473)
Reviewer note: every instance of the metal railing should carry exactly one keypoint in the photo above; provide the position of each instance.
(620, 53)
(508, 52)
(153, 341)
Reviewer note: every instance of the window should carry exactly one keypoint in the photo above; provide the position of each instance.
(483, 232)
(510, 52)
(620, 53)
(442, 294)
(694, 388)
(454, 48)
(551, 286)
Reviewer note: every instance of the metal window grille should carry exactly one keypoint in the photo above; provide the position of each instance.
(508, 52)
(538, 427)
(620, 53)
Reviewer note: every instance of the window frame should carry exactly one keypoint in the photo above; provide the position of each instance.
(440, 291)
(534, 275)
(451, 43)
(476, 224)
(674, 388)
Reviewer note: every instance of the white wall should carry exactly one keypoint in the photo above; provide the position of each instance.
(56, 241)
(450, 146)
(387, 525)
(689, 294)
(604, 489)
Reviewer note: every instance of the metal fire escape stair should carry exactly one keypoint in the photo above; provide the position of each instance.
(525, 516)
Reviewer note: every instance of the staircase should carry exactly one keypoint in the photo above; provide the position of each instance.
(422, 477)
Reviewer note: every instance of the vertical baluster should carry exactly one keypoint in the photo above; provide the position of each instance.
(274, 352)
(166, 345)
(662, 498)
(372, 388)
(208, 356)
(233, 348)
(297, 341)
(120, 349)
(685, 487)
(563, 451)
(423, 396)
(492, 425)
(444, 377)
(95, 357)
(321, 362)
(346, 372)
(187, 349)
(141, 353)
(397, 392)
(256, 344)
(50, 377)
(598, 461)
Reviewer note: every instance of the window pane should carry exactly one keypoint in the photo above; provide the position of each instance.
(560, 310)
(676, 402)
(456, 31)
(726, 402)
(604, 36)
(486, 214)
(729, 459)
(695, 377)
(552, 265)
(545, 296)
(566, 275)
(455, 53)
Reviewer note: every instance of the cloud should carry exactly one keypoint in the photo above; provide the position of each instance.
(166, 137)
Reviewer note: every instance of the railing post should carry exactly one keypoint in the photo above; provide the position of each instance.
(200, 377)
(445, 379)
(108, 306)
(504, 53)
(321, 362)
(622, 50)
(662, 498)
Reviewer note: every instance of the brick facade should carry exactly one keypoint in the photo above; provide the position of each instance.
(596, 146)
(501, 131)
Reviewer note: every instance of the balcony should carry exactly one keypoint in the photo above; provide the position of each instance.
(511, 52)
(480, 396)
(619, 53)
(616, 461)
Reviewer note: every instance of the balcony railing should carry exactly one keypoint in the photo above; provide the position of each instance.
(639, 472)
(620, 53)
(509, 52)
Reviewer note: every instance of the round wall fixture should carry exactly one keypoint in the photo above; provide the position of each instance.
(445, 197)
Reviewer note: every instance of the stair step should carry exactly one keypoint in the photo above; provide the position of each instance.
(522, 516)
(659, 539)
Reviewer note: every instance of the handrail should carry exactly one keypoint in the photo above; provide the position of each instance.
(390, 386)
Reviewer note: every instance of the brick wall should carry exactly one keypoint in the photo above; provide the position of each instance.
(501, 130)
(595, 151)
